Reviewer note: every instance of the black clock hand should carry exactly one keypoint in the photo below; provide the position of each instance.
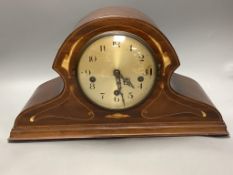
(117, 75)
(127, 81)
(122, 97)
(118, 82)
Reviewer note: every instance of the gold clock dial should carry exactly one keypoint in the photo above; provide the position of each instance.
(116, 71)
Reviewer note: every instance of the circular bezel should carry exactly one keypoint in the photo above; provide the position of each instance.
(131, 35)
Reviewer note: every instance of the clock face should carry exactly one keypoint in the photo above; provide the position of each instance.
(116, 71)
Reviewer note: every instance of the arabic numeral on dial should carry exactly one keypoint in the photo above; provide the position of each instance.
(116, 99)
(130, 95)
(92, 86)
(116, 44)
(102, 48)
(92, 59)
(87, 72)
(102, 95)
(140, 86)
(141, 57)
(149, 71)
(131, 48)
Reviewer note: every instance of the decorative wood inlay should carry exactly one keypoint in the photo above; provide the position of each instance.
(117, 116)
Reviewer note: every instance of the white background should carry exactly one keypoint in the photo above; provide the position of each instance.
(31, 32)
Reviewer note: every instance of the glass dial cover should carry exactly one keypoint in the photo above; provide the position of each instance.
(116, 71)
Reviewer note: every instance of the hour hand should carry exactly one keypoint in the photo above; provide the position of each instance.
(119, 76)
(127, 81)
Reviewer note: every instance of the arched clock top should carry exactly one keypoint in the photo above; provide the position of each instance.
(115, 20)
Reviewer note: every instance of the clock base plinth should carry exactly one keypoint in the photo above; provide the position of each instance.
(118, 131)
(46, 117)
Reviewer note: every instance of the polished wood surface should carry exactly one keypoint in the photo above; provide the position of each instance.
(59, 110)
(114, 12)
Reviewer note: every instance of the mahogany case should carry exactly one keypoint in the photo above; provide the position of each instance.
(58, 109)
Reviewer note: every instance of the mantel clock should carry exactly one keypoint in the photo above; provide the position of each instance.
(117, 80)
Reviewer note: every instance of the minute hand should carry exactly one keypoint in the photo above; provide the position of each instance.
(116, 73)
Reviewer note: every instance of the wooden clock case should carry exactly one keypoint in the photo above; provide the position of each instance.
(58, 109)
